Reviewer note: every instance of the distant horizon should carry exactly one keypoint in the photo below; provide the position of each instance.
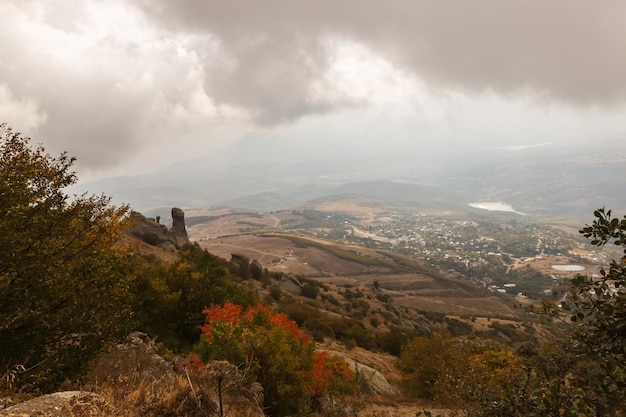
(568, 181)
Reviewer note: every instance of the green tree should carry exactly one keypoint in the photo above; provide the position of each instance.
(63, 287)
(597, 310)
(310, 290)
(199, 280)
(483, 378)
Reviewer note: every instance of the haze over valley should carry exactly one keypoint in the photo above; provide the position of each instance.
(274, 172)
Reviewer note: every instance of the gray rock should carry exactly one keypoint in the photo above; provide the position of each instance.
(154, 233)
(372, 380)
(148, 230)
(178, 233)
(295, 280)
(136, 357)
(334, 300)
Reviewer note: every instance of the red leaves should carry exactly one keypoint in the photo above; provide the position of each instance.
(235, 314)
(321, 373)
(233, 330)
(231, 313)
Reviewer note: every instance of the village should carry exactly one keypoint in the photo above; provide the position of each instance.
(511, 256)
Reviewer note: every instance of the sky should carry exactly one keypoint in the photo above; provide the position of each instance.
(129, 86)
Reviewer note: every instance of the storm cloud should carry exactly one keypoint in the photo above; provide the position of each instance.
(110, 81)
(570, 51)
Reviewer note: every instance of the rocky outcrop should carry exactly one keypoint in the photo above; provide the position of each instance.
(178, 232)
(152, 232)
(371, 380)
(149, 231)
(137, 357)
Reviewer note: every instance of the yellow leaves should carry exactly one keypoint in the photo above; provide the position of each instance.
(490, 374)
(458, 372)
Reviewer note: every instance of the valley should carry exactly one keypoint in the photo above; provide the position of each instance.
(460, 262)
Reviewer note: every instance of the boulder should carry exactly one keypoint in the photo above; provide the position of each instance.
(136, 357)
(148, 230)
(371, 380)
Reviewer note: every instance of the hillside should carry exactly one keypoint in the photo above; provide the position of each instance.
(361, 290)
(378, 285)
(359, 294)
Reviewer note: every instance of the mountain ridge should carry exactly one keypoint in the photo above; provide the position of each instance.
(548, 180)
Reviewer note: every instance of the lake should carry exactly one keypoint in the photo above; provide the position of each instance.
(569, 268)
(495, 206)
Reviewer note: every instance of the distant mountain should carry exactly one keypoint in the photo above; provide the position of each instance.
(548, 181)
(266, 172)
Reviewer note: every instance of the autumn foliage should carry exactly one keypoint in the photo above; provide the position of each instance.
(275, 352)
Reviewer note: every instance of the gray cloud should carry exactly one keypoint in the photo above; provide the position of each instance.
(99, 96)
(271, 78)
(570, 51)
(105, 80)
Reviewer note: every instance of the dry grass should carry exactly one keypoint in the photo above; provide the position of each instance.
(191, 394)
(136, 382)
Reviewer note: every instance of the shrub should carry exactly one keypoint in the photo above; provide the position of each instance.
(275, 351)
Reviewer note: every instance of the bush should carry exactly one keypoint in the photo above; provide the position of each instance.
(274, 350)
(310, 290)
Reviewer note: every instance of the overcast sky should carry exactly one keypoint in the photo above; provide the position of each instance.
(128, 86)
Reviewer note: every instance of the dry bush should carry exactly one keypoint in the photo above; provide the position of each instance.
(137, 382)
(192, 394)
(172, 396)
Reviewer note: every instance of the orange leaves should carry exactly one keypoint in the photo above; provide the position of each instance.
(332, 373)
(235, 314)
(231, 313)
(281, 320)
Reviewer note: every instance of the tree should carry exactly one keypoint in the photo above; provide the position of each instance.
(597, 311)
(63, 287)
(423, 361)
(480, 377)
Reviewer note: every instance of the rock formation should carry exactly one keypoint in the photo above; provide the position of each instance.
(178, 232)
(154, 233)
